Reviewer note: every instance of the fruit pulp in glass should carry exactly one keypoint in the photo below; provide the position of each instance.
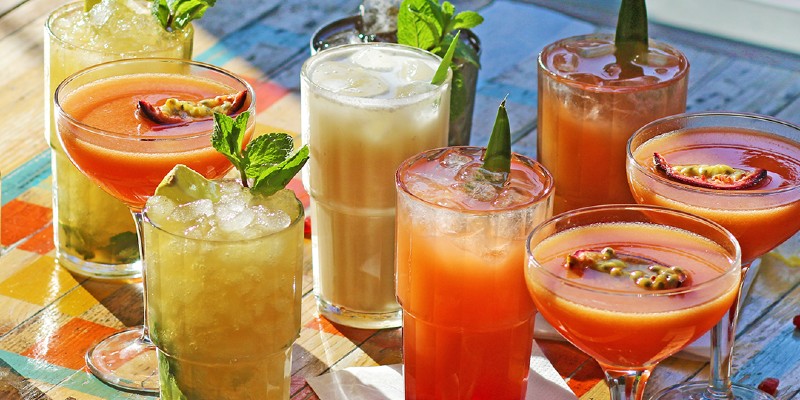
(131, 154)
(588, 108)
(467, 315)
(760, 220)
(223, 293)
(94, 231)
(365, 109)
(637, 329)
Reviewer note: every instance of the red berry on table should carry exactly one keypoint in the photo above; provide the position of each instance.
(769, 385)
(796, 321)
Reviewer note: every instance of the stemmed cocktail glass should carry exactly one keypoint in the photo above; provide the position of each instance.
(757, 199)
(106, 134)
(631, 285)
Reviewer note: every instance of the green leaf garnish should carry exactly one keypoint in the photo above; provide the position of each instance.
(441, 73)
(267, 160)
(631, 39)
(498, 151)
(176, 14)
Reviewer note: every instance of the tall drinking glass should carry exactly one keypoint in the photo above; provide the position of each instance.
(631, 285)
(93, 232)
(588, 109)
(128, 155)
(467, 316)
(365, 109)
(761, 216)
(224, 293)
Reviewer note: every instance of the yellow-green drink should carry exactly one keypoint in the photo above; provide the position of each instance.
(94, 233)
(223, 278)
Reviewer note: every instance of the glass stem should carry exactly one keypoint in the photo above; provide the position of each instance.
(723, 335)
(137, 218)
(627, 385)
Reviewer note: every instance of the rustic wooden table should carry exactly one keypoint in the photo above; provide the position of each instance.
(49, 317)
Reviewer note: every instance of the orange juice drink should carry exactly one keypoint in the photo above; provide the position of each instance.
(93, 232)
(467, 316)
(110, 140)
(614, 325)
(589, 106)
(365, 109)
(762, 216)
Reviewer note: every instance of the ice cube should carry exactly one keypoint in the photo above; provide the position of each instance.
(453, 159)
(158, 208)
(416, 71)
(229, 220)
(361, 84)
(566, 62)
(413, 89)
(102, 12)
(510, 197)
(374, 59)
(591, 49)
(480, 190)
(193, 212)
(612, 70)
(268, 220)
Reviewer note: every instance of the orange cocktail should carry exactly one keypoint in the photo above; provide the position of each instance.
(589, 108)
(631, 285)
(467, 317)
(128, 155)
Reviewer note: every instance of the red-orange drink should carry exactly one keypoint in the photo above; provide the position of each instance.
(467, 317)
(761, 217)
(588, 111)
(123, 151)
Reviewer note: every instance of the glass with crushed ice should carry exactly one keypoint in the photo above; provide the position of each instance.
(588, 109)
(223, 292)
(94, 234)
(461, 233)
(365, 109)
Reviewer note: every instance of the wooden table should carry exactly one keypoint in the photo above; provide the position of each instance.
(49, 317)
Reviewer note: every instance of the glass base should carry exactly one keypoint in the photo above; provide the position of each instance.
(357, 319)
(125, 361)
(98, 270)
(699, 391)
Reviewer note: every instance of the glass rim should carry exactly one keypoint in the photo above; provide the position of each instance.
(189, 29)
(59, 111)
(734, 267)
(370, 102)
(682, 73)
(549, 184)
(159, 227)
(739, 193)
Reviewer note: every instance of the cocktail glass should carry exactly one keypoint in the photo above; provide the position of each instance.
(467, 316)
(605, 308)
(93, 232)
(128, 157)
(588, 109)
(224, 287)
(365, 109)
(760, 217)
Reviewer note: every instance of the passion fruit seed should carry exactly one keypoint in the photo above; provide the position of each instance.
(175, 111)
(653, 277)
(718, 176)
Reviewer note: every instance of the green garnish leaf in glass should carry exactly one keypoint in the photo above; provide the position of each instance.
(267, 160)
(498, 151)
(176, 14)
(631, 39)
(441, 72)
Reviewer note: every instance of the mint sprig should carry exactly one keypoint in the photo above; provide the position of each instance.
(267, 160)
(498, 151)
(176, 14)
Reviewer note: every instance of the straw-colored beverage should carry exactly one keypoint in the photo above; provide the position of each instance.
(223, 288)
(365, 109)
(94, 233)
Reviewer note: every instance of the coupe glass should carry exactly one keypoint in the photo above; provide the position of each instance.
(128, 162)
(610, 314)
(760, 217)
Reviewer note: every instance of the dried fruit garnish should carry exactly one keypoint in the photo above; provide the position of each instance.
(769, 386)
(717, 176)
(647, 276)
(175, 111)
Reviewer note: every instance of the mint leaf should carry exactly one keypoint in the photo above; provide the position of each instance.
(466, 20)
(441, 73)
(278, 176)
(420, 25)
(498, 151)
(227, 139)
(267, 150)
(176, 14)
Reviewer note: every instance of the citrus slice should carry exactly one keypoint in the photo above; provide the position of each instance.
(88, 4)
(183, 185)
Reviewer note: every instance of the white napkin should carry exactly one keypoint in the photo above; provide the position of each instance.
(386, 382)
